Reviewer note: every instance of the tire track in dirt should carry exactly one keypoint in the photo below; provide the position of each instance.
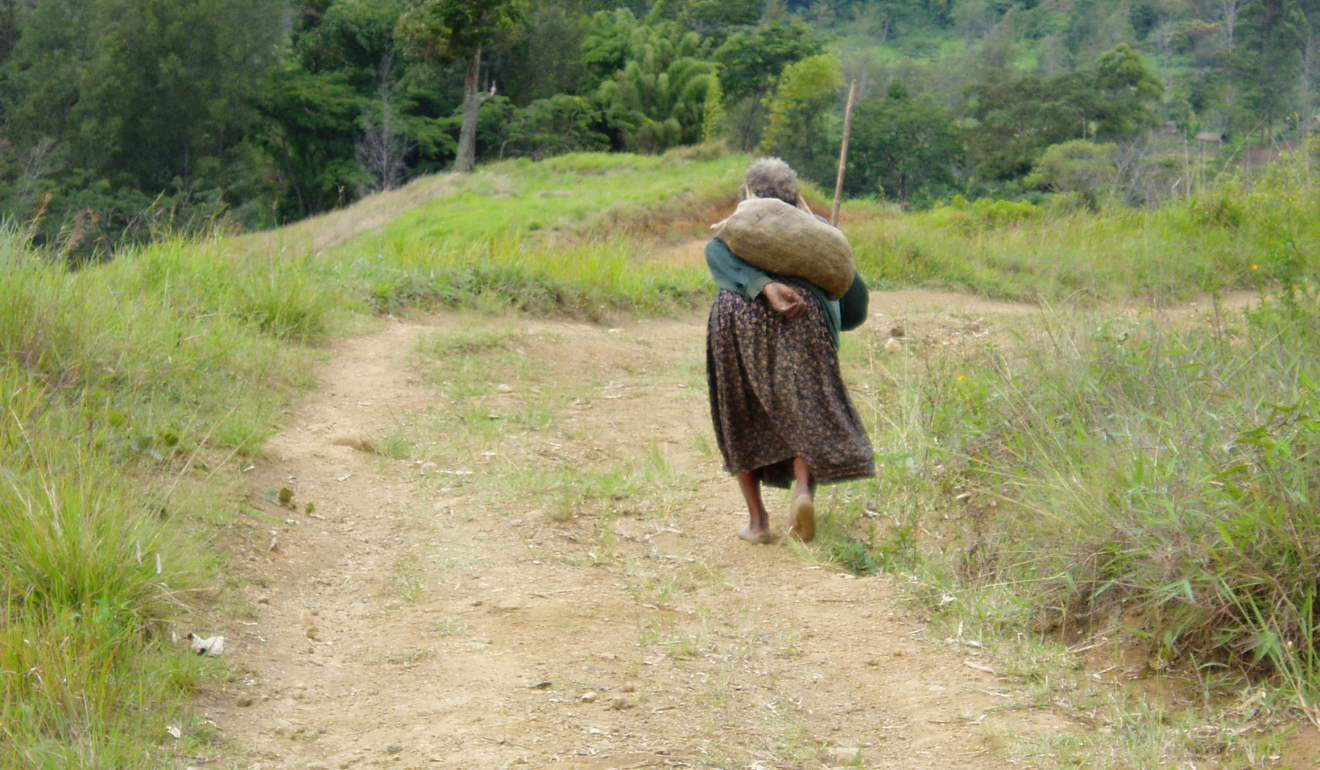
(423, 618)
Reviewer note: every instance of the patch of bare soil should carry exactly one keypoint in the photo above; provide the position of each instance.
(436, 614)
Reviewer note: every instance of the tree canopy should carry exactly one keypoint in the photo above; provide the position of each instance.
(121, 119)
(903, 148)
(441, 32)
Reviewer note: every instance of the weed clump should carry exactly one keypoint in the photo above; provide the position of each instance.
(119, 384)
(1159, 479)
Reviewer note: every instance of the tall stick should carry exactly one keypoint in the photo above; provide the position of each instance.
(843, 154)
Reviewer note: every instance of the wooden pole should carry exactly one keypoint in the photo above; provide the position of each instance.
(843, 154)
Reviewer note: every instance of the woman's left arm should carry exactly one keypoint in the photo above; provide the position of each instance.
(734, 273)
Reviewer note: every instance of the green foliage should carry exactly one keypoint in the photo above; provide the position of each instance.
(1128, 88)
(554, 126)
(1150, 475)
(145, 119)
(127, 121)
(608, 44)
(715, 19)
(751, 62)
(1078, 167)
(712, 111)
(353, 38)
(447, 31)
(1119, 470)
(797, 116)
(109, 104)
(1268, 56)
(853, 555)
(658, 98)
(1016, 116)
(554, 236)
(1056, 252)
(902, 146)
(546, 58)
(344, 116)
(1126, 462)
(312, 126)
(106, 404)
(440, 32)
(285, 301)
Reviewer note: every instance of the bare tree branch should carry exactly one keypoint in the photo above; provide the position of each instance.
(382, 148)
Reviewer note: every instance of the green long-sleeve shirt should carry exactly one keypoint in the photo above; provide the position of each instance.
(741, 277)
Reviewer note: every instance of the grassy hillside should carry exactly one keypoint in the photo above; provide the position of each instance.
(133, 393)
(1226, 238)
(564, 235)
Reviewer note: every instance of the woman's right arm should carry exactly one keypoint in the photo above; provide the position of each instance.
(741, 277)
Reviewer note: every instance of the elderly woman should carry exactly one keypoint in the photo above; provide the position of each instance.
(782, 414)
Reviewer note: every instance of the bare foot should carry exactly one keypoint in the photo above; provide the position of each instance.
(802, 517)
(756, 536)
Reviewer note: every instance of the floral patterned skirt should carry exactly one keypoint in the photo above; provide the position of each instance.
(776, 393)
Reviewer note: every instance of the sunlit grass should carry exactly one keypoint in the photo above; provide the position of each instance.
(1233, 236)
(117, 383)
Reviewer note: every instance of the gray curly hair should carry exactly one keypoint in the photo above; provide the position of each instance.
(771, 178)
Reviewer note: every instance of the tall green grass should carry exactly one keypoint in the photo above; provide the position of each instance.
(586, 193)
(88, 577)
(1116, 474)
(116, 383)
(592, 278)
(569, 235)
(1240, 234)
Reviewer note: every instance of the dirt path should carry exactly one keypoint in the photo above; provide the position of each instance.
(521, 553)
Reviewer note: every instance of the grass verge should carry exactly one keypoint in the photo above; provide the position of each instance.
(123, 389)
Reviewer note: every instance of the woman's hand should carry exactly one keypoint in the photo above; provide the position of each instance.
(785, 299)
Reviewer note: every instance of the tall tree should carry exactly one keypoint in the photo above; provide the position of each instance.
(8, 27)
(657, 100)
(548, 59)
(715, 19)
(143, 95)
(310, 129)
(1077, 167)
(1268, 57)
(1016, 116)
(751, 63)
(442, 32)
(1127, 89)
(797, 116)
(353, 37)
(1229, 10)
(902, 146)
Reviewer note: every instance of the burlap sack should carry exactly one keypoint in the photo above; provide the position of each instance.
(780, 238)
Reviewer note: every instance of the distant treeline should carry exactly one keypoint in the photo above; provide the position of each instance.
(120, 119)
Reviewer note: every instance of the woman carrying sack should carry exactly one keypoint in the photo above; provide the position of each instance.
(781, 412)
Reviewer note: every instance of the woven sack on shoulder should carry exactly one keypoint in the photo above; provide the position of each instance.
(780, 238)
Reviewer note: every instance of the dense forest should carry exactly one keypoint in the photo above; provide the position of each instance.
(123, 119)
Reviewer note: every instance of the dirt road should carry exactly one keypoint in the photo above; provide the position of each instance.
(522, 553)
